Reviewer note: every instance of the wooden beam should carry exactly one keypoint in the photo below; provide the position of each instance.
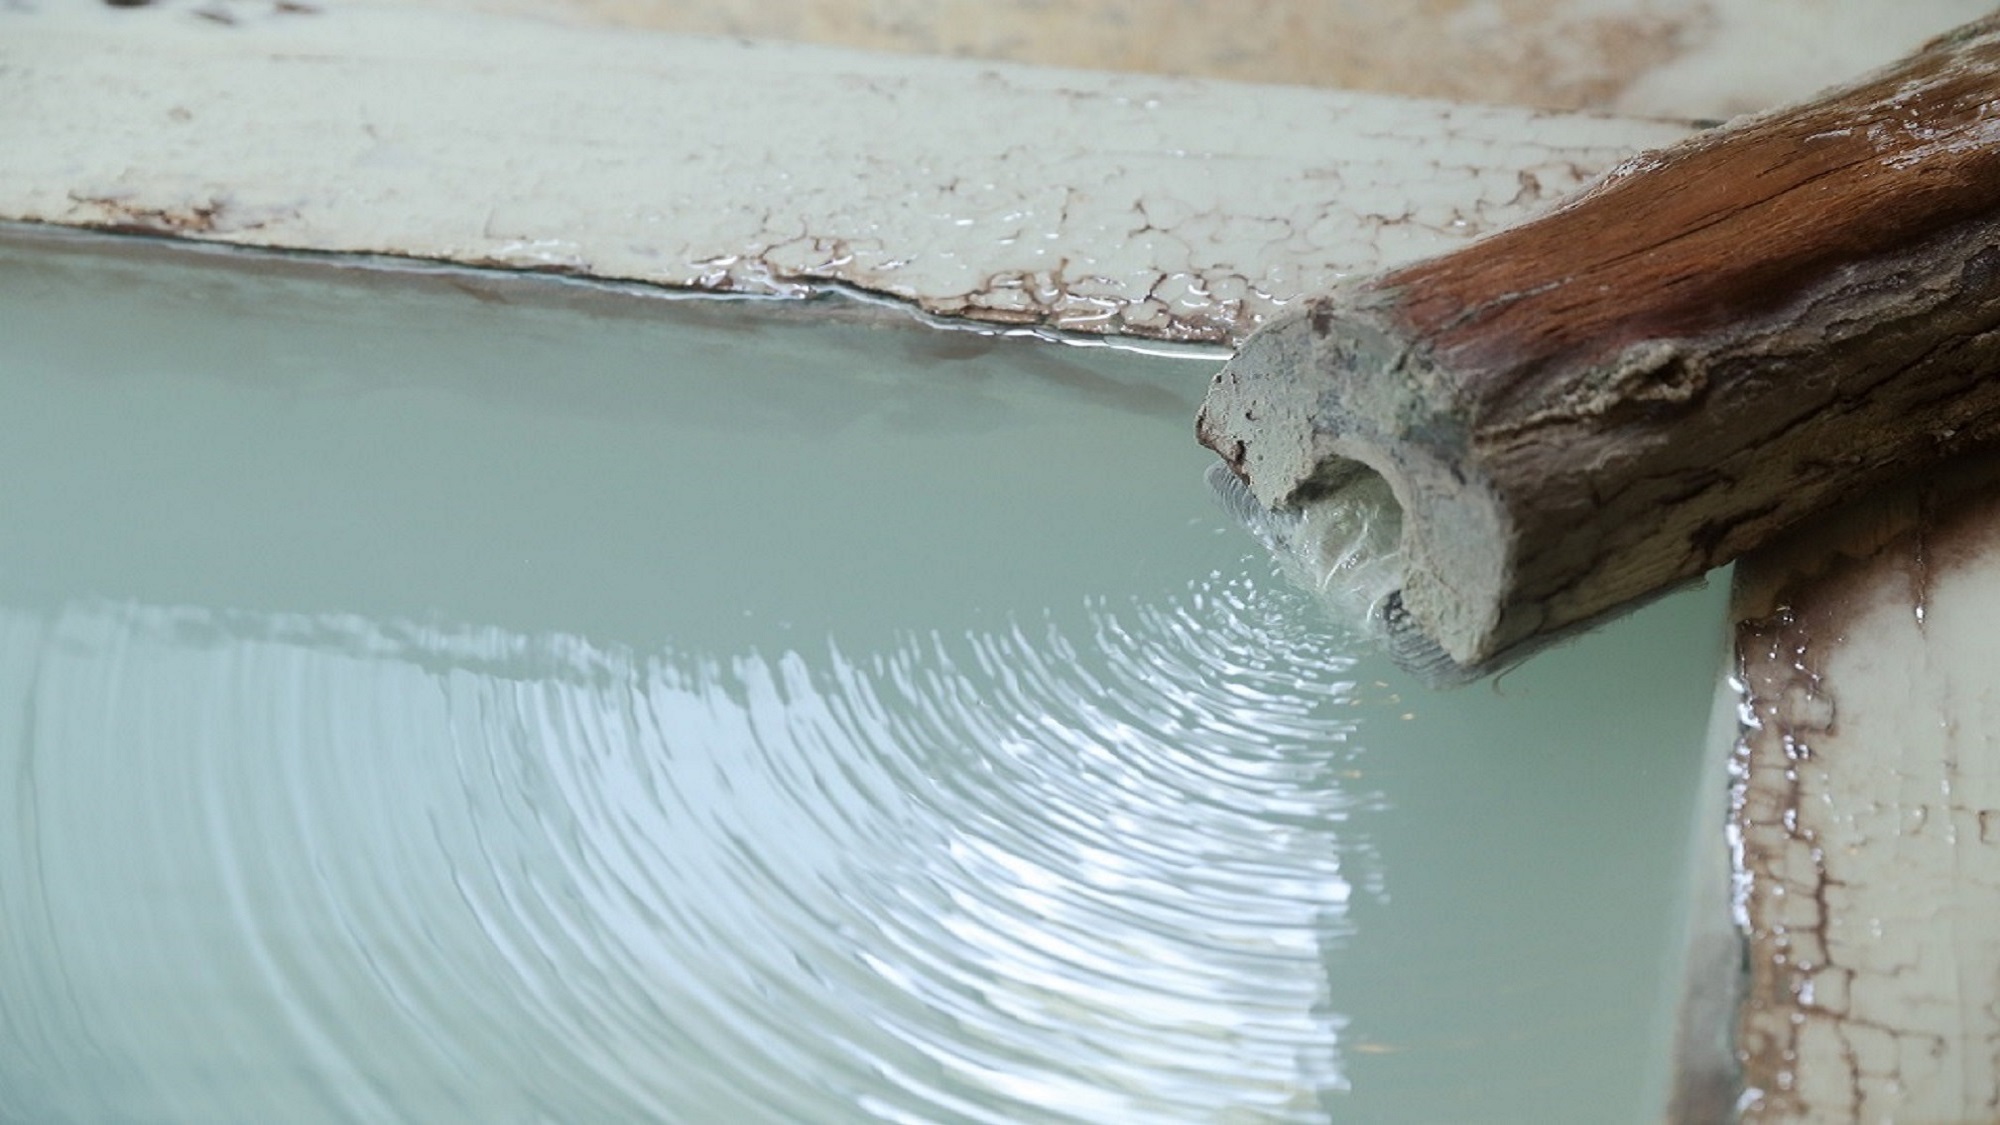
(1710, 344)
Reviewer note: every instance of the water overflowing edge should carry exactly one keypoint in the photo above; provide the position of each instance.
(809, 299)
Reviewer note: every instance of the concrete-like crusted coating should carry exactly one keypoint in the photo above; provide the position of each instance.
(1627, 391)
(1167, 209)
(1330, 390)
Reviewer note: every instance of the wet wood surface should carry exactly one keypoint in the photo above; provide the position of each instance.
(1709, 345)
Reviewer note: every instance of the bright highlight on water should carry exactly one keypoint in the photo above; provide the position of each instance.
(513, 705)
(1344, 548)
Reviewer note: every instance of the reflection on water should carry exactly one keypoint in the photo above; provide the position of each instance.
(433, 709)
(1345, 548)
(472, 873)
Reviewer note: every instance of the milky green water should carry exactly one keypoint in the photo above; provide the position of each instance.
(440, 705)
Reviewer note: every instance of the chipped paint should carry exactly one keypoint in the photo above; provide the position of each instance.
(1174, 210)
(1087, 202)
(1867, 795)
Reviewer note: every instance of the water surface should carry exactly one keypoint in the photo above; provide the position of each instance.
(429, 700)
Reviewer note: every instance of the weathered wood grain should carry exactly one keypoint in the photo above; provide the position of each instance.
(1710, 344)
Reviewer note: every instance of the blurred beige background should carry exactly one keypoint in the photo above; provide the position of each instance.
(1701, 58)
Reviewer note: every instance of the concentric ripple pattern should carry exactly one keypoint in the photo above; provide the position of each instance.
(1084, 871)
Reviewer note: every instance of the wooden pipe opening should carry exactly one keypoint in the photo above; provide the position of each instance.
(1716, 341)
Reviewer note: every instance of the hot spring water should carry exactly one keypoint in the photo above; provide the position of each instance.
(442, 699)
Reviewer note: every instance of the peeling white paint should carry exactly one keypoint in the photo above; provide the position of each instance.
(1097, 203)
(1868, 813)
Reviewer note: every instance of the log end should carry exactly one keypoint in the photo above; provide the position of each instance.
(1318, 404)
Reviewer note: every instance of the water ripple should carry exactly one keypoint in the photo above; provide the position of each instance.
(1081, 868)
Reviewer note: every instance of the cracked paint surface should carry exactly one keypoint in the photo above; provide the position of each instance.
(1169, 209)
(1867, 813)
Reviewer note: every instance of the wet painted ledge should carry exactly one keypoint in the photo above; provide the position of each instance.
(1866, 809)
(1168, 209)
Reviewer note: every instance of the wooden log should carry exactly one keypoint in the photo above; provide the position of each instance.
(1710, 344)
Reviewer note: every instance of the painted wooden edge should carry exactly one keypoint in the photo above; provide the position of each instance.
(1705, 1080)
(1865, 815)
(1086, 202)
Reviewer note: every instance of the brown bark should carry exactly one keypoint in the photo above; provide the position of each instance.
(1712, 343)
